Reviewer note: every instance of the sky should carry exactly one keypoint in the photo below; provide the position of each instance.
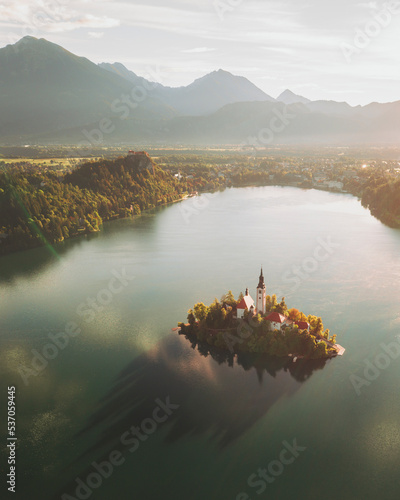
(342, 50)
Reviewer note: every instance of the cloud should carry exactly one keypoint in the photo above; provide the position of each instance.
(198, 50)
(48, 17)
(87, 21)
(368, 5)
(96, 34)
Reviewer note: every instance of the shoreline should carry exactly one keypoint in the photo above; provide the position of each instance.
(194, 330)
(188, 196)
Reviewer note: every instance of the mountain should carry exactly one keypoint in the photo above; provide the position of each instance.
(43, 88)
(288, 97)
(202, 97)
(263, 124)
(332, 108)
(48, 95)
(326, 107)
(129, 75)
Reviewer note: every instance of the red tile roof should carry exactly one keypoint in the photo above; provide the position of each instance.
(246, 302)
(303, 325)
(276, 317)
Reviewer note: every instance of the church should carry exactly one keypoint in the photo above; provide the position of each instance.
(248, 304)
(277, 321)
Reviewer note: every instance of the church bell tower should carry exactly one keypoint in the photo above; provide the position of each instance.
(261, 295)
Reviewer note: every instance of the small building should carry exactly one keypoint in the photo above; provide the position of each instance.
(131, 152)
(303, 325)
(278, 320)
(246, 304)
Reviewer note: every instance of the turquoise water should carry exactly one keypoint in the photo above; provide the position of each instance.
(322, 251)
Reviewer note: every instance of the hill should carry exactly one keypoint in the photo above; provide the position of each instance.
(39, 208)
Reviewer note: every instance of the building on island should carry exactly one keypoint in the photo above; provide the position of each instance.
(246, 304)
(278, 321)
(261, 295)
(303, 325)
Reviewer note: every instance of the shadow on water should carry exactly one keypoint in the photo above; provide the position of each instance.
(220, 396)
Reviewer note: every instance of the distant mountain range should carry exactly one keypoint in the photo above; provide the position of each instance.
(204, 96)
(48, 95)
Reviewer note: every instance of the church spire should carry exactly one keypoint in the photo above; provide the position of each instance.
(261, 283)
(261, 294)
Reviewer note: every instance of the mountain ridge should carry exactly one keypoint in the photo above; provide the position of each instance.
(203, 96)
(49, 94)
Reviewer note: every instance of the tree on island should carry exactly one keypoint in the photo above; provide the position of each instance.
(296, 315)
(270, 303)
(201, 311)
(281, 307)
(191, 318)
(229, 299)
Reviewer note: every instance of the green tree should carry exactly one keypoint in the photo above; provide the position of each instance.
(191, 318)
(228, 298)
(201, 311)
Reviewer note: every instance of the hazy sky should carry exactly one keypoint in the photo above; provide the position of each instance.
(296, 44)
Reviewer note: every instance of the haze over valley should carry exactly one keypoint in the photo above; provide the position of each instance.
(48, 95)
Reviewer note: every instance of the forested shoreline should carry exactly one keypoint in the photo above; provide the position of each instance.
(38, 208)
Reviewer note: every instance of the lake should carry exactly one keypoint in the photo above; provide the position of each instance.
(112, 404)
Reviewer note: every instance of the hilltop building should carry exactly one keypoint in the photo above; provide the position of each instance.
(142, 160)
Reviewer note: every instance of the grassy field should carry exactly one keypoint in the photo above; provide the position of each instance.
(48, 161)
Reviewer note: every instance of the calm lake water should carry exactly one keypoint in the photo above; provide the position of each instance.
(230, 417)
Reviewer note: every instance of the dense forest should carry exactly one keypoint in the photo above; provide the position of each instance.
(37, 208)
(381, 194)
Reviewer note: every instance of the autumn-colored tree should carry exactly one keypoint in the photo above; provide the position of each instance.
(200, 311)
(294, 314)
(228, 298)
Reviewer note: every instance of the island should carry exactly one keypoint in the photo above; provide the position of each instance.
(264, 326)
